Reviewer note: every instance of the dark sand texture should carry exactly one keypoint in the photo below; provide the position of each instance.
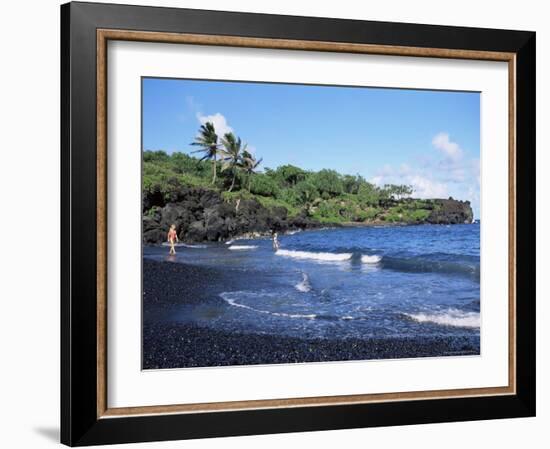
(172, 344)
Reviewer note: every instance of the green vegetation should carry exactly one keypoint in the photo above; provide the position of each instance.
(207, 140)
(227, 166)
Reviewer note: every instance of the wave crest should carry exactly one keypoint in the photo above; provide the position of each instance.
(371, 259)
(451, 317)
(326, 257)
(304, 286)
(242, 247)
(425, 265)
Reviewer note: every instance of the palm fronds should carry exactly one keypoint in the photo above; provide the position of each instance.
(207, 140)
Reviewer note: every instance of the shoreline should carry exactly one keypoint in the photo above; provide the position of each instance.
(379, 224)
(328, 227)
(171, 344)
(206, 214)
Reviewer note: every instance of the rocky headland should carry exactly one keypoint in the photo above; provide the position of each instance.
(201, 214)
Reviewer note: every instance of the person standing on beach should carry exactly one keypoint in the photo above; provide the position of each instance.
(276, 243)
(172, 239)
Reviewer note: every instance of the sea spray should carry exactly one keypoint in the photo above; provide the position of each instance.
(304, 286)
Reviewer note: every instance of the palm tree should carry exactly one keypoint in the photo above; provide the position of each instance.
(249, 164)
(207, 139)
(232, 155)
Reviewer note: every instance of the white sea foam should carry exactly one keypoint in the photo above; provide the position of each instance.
(293, 232)
(229, 298)
(242, 247)
(304, 286)
(229, 242)
(371, 259)
(451, 317)
(184, 245)
(327, 257)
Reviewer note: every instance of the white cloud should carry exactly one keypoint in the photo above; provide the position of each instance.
(449, 148)
(451, 173)
(427, 188)
(423, 186)
(377, 180)
(453, 167)
(218, 120)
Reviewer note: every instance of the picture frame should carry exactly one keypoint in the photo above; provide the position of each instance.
(86, 28)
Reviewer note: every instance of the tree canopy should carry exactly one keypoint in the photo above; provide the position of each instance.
(228, 165)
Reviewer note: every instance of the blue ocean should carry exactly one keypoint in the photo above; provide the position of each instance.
(360, 282)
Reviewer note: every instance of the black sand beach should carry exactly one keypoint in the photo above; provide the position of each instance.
(168, 343)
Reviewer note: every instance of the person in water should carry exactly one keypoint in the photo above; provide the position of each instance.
(172, 239)
(276, 243)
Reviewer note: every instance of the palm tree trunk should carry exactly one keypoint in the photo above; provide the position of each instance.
(233, 181)
(214, 170)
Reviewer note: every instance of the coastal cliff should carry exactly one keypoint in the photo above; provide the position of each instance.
(203, 214)
(450, 212)
(217, 201)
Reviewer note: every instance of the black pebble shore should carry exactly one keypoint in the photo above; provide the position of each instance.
(169, 344)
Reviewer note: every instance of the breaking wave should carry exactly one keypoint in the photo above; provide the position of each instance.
(451, 317)
(304, 286)
(371, 259)
(293, 232)
(242, 247)
(426, 265)
(326, 257)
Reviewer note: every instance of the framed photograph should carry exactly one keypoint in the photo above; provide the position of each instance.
(279, 224)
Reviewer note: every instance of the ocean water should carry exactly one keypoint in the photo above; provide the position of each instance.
(342, 283)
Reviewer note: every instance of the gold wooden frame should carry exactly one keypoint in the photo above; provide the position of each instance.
(104, 35)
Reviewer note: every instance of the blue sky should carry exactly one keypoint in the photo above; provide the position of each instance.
(428, 139)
